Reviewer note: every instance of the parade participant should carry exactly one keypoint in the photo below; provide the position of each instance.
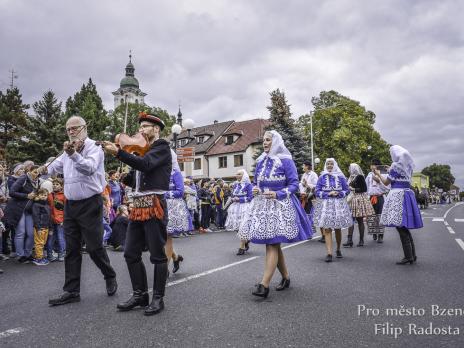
(82, 165)
(180, 220)
(400, 208)
(359, 203)
(275, 215)
(375, 189)
(148, 218)
(307, 186)
(242, 195)
(332, 211)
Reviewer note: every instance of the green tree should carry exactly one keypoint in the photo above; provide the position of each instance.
(282, 122)
(13, 122)
(88, 104)
(344, 129)
(439, 175)
(46, 129)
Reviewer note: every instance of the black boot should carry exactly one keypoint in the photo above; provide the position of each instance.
(159, 284)
(361, 234)
(138, 298)
(413, 248)
(176, 263)
(322, 240)
(138, 276)
(380, 239)
(374, 236)
(349, 242)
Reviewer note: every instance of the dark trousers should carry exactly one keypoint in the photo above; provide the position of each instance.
(153, 234)
(219, 216)
(83, 221)
(407, 242)
(205, 215)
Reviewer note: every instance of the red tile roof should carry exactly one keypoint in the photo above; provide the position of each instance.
(250, 132)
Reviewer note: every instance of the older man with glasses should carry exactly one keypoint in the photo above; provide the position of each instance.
(82, 165)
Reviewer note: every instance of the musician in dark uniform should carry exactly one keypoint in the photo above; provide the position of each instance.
(149, 178)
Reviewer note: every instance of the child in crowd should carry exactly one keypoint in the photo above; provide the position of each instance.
(119, 228)
(56, 201)
(106, 219)
(41, 221)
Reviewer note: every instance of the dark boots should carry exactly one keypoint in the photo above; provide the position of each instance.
(139, 297)
(349, 242)
(408, 246)
(159, 284)
(361, 238)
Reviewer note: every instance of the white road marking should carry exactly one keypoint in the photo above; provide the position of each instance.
(446, 223)
(446, 214)
(460, 242)
(438, 219)
(458, 220)
(11, 332)
(450, 229)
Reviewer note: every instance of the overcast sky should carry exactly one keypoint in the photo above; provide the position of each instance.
(404, 60)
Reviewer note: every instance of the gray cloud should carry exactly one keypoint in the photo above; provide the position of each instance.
(401, 59)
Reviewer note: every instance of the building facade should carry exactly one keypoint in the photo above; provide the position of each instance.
(129, 90)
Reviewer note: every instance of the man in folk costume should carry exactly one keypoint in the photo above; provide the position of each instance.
(148, 219)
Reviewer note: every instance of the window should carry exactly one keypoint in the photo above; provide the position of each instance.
(229, 139)
(201, 140)
(197, 164)
(223, 162)
(181, 166)
(238, 160)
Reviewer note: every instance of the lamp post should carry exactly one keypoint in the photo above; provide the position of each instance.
(125, 116)
(189, 124)
(312, 142)
(176, 129)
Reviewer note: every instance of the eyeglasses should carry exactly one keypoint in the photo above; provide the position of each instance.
(143, 126)
(75, 128)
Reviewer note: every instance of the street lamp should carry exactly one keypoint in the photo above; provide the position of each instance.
(312, 142)
(189, 124)
(176, 129)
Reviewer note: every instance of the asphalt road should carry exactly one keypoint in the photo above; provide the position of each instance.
(362, 300)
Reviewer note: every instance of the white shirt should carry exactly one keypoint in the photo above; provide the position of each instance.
(375, 188)
(311, 180)
(84, 173)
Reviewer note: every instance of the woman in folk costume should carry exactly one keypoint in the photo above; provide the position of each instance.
(400, 208)
(242, 194)
(275, 215)
(332, 211)
(376, 190)
(179, 218)
(359, 203)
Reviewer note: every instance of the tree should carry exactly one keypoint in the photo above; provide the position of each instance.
(282, 122)
(439, 176)
(13, 122)
(46, 129)
(88, 104)
(344, 129)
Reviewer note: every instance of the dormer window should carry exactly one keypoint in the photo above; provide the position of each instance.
(229, 139)
(200, 140)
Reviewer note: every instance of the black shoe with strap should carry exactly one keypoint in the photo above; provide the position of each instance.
(247, 245)
(405, 261)
(328, 258)
(349, 242)
(111, 286)
(241, 251)
(66, 297)
(339, 254)
(176, 263)
(260, 291)
(138, 299)
(284, 284)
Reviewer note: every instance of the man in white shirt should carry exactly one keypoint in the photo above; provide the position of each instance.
(82, 165)
(307, 185)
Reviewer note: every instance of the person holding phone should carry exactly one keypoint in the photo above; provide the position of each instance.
(376, 190)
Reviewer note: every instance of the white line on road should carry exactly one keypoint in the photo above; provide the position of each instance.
(438, 219)
(460, 242)
(450, 229)
(11, 332)
(446, 214)
(446, 223)
(458, 220)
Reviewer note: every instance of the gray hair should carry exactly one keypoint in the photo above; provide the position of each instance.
(77, 117)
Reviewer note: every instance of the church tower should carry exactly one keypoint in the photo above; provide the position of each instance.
(129, 88)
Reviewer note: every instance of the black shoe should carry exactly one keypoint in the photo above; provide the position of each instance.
(23, 260)
(414, 258)
(66, 297)
(322, 240)
(247, 245)
(374, 236)
(284, 284)
(339, 254)
(156, 306)
(138, 298)
(241, 251)
(361, 243)
(260, 291)
(405, 261)
(328, 258)
(111, 286)
(177, 263)
(380, 239)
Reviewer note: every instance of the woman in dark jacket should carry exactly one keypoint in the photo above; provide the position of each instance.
(19, 216)
(204, 194)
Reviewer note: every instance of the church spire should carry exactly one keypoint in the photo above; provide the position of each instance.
(179, 117)
(130, 67)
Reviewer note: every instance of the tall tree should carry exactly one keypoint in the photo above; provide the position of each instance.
(13, 122)
(439, 175)
(46, 129)
(344, 129)
(88, 104)
(282, 122)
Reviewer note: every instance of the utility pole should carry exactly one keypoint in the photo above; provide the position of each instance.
(13, 76)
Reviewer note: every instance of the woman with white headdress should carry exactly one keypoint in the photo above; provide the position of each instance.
(359, 203)
(242, 194)
(179, 218)
(275, 214)
(400, 208)
(332, 211)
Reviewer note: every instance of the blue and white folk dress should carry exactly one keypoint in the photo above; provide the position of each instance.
(279, 220)
(179, 218)
(400, 208)
(332, 212)
(237, 210)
